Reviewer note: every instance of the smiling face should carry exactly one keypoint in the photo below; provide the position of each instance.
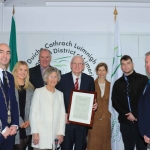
(45, 58)
(127, 66)
(102, 72)
(52, 80)
(4, 55)
(77, 65)
(21, 72)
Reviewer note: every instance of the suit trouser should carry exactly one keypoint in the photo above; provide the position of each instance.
(131, 136)
(75, 137)
(7, 144)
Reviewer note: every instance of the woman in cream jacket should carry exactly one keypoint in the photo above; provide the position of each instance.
(47, 114)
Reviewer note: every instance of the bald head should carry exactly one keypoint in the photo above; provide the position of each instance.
(4, 45)
(4, 55)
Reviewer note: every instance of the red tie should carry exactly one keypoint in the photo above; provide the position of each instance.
(76, 85)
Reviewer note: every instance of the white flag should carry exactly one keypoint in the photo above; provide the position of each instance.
(116, 73)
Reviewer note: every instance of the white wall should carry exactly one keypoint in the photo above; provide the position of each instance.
(134, 27)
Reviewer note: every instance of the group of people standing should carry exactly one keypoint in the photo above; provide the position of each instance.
(35, 102)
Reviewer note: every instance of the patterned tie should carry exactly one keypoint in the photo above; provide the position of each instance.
(76, 85)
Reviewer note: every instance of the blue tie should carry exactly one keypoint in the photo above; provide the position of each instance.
(127, 87)
(146, 86)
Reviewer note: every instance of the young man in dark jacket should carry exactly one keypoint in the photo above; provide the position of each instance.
(125, 96)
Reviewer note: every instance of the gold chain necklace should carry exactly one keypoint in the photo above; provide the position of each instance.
(7, 104)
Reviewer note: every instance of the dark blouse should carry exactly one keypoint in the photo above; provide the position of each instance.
(22, 101)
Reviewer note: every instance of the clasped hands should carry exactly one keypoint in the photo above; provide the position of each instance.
(9, 131)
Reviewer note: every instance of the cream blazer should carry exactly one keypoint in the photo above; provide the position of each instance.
(47, 116)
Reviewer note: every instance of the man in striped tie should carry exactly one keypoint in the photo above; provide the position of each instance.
(75, 135)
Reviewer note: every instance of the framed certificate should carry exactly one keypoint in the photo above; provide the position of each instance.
(80, 108)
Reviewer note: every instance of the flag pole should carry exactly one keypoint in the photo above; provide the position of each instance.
(13, 12)
(115, 14)
(13, 43)
(116, 74)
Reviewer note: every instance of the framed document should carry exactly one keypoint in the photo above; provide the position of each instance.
(80, 109)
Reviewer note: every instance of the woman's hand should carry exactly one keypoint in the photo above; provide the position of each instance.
(22, 125)
(35, 138)
(60, 138)
(26, 124)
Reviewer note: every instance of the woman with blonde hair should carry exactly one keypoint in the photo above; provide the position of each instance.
(99, 137)
(24, 92)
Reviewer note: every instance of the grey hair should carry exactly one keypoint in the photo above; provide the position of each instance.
(49, 71)
(147, 54)
(76, 57)
(45, 49)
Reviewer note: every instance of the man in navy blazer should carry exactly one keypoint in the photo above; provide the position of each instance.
(144, 106)
(36, 73)
(75, 134)
(9, 117)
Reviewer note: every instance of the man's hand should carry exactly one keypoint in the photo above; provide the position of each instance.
(13, 130)
(6, 133)
(146, 139)
(36, 138)
(130, 117)
(95, 106)
(60, 138)
(66, 119)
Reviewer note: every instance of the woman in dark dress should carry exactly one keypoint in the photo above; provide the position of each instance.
(24, 92)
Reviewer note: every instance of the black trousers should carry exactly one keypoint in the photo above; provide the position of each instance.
(131, 136)
(75, 137)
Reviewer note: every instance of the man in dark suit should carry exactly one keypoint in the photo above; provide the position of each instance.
(144, 106)
(75, 134)
(9, 116)
(36, 73)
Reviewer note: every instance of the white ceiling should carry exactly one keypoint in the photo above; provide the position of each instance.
(43, 3)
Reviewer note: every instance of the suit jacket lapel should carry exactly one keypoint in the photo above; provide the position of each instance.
(70, 80)
(82, 81)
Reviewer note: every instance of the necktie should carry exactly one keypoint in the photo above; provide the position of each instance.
(146, 86)
(5, 82)
(76, 85)
(127, 87)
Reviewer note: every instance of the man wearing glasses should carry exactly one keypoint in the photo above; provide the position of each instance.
(75, 135)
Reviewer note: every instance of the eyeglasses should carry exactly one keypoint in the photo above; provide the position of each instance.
(53, 77)
(77, 64)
